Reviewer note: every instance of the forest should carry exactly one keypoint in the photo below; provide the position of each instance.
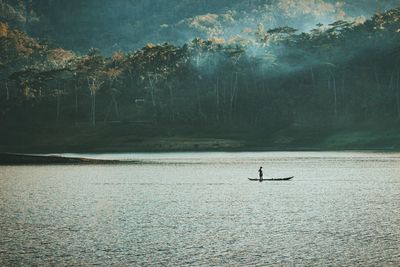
(336, 86)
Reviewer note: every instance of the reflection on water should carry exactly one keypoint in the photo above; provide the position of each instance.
(200, 209)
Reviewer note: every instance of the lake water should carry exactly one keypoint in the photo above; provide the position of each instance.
(199, 209)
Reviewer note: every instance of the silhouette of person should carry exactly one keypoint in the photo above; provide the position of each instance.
(260, 173)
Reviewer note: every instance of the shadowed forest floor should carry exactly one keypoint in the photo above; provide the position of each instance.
(125, 138)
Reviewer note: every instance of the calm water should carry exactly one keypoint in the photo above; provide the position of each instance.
(199, 209)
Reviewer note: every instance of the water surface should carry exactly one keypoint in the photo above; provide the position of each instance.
(342, 208)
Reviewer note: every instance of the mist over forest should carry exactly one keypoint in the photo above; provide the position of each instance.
(170, 75)
(131, 24)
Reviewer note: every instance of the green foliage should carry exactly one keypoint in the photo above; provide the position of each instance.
(337, 76)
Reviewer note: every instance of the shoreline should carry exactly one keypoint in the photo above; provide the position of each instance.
(13, 159)
(113, 140)
(193, 145)
(28, 159)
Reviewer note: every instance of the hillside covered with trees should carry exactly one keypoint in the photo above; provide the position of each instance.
(335, 86)
(128, 25)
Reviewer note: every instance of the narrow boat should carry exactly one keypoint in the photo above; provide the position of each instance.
(272, 179)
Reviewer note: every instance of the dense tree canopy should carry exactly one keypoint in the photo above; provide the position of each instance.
(129, 24)
(336, 76)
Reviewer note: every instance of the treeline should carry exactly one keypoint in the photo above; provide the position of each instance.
(338, 75)
(128, 25)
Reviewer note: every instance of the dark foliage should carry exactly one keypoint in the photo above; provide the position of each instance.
(338, 76)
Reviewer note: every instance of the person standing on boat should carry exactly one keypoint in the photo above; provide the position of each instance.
(260, 173)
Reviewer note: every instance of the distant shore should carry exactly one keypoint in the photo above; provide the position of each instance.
(26, 159)
(29, 159)
(126, 138)
(28, 149)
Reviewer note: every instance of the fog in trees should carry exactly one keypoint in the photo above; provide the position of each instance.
(209, 68)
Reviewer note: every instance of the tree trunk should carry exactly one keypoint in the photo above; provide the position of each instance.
(366, 106)
(199, 106)
(108, 111)
(94, 109)
(379, 88)
(332, 85)
(398, 94)
(343, 94)
(152, 93)
(223, 102)
(233, 95)
(312, 78)
(94, 85)
(217, 99)
(171, 103)
(7, 92)
(391, 89)
(378, 83)
(76, 102)
(329, 83)
(114, 99)
(58, 104)
(334, 95)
